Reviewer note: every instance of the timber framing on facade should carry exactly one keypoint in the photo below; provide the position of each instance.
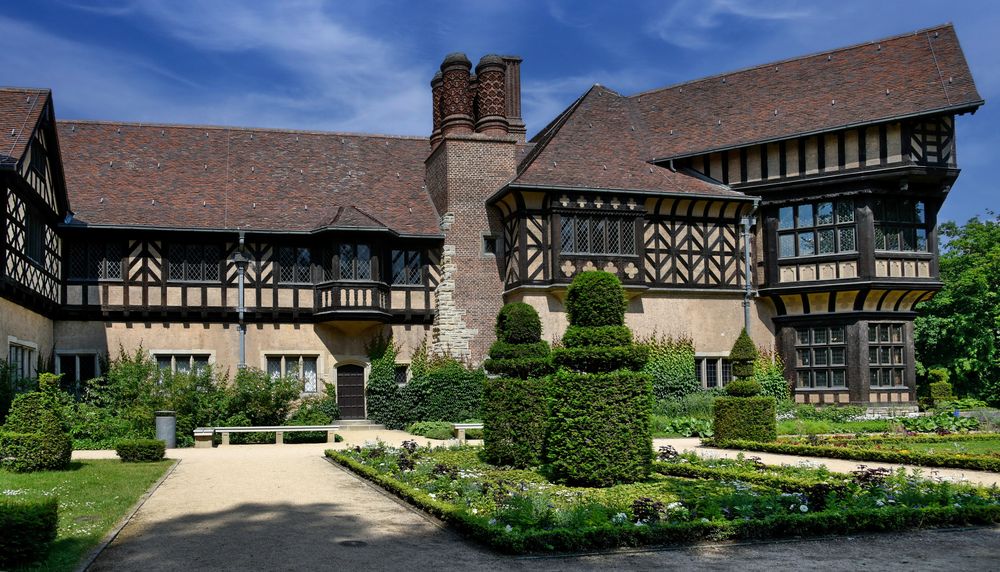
(798, 199)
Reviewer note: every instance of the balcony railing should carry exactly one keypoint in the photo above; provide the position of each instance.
(352, 296)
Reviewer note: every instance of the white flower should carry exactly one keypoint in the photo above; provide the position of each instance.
(803, 508)
(879, 503)
(675, 505)
(475, 511)
(493, 522)
(432, 495)
(508, 528)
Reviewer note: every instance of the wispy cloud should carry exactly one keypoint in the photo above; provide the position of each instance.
(697, 24)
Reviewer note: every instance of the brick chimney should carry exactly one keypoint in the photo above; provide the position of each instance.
(512, 97)
(456, 97)
(490, 97)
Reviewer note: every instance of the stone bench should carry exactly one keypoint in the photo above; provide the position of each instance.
(203, 435)
(462, 427)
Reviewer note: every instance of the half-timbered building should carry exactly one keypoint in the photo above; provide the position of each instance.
(798, 199)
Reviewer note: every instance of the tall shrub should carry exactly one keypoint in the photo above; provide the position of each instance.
(743, 354)
(769, 372)
(448, 391)
(41, 414)
(514, 407)
(671, 367)
(598, 431)
(382, 391)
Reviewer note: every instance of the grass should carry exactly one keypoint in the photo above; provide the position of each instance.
(984, 447)
(821, 426)
(93, 496)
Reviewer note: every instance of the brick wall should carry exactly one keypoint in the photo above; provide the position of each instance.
(462, 172)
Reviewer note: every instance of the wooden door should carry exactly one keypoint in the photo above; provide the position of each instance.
(351, 391)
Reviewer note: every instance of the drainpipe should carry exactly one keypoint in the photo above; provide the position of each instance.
(748, 220)
(241, 268)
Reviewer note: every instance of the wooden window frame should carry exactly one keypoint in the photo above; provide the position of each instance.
(889, 230)
(881, 370)
(809, 371)
(798, 229)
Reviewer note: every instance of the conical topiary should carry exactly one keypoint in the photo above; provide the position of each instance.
(742, 356)
(598, 431)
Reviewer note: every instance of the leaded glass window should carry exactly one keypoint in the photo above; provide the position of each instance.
(95, 261)
(821, 228)
(584, 234)
(406, 267)
(355, 262)
(820, 357)
(194, 262)
(900, 225)
(886, 355)
(294, 265)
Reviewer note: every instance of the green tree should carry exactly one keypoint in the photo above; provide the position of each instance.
(959, 329)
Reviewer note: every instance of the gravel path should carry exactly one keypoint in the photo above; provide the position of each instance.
(269, 507)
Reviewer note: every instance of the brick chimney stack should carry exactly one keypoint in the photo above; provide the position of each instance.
(437, 88)
(456, 97)
(512, 99)
(490, 109)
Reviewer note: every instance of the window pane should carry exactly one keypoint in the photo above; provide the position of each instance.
(879, 238)
(883, 333)
(67, 367)
(398, 266)
(163, 362)
(872, 356)
(712, 372)
(213, 255)
(824, 213)
(400, 374)
(805, 218)
(727, 371)
(583, 234)
(807, 243)
(883, 356)
(802, 336)
(909, 239)
(873, 377)
(364, 262)
(897, 377)
(919, 212)
(192, 263)
(274, 367)
(819, 335)
(837, 335)
(845, 211)
(88, 367)
(614, 236)
(786, 217)
(826, 241)
(805, 358)
(309, 374)
(822, 378)
(182, 363)
(820, 357)
(897, 333)
(847, 239)
(921, 241)
(597, 237)
(286, 263)
(872, 332)
(568, 244)
(906, 213)
(892, 238)
(839, 379)
(891, 211)
(303, 264)
(897, 356)
(347, 261)
(786, 244)
(628, 236)
(113, 262)
(836, 356)
(803, 378)
(200, 363)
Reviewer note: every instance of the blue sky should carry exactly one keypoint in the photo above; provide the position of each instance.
(364, 66)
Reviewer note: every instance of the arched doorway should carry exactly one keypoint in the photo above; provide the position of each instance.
(351, 391)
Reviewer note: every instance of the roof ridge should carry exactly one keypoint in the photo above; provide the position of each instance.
(372, 217)
(549, 132)
(794, 59)
(16, 88)
(238, 128)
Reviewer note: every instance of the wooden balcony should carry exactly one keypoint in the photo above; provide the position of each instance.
(352, 299)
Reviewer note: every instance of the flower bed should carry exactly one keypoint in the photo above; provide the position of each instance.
(880, 449)
(686, 499)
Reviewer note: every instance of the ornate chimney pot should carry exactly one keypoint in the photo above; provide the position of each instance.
(490, 101)
(456, 100)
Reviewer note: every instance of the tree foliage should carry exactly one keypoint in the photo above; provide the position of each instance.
(959, 329)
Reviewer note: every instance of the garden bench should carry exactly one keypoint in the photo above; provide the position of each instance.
(462, 427)
(203, 435)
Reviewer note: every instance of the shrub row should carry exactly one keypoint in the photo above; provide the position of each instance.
(520, 367)
(749, 418)
(506, 350)
(514, 413)
(597, 359)
(598, 431)
(432, 429)
(583, 336)
(141, 450)
(612, 535)
(949, 460)
(28, 527)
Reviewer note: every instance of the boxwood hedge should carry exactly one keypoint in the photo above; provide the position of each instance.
(141, 450)
(596, 299)
(520, 367)
(514, 412)
(27, 529)
(23, 452)
(40, 413)
(747, 418)
(518, 323)
(596, 359)
(582, 336)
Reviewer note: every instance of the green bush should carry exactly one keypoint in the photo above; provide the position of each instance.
(313, 410)
(597, 359)
(141, 450)
(742, 355)
(27, 529)
(382, 392)
(941, 392)
(520, 367)
(41, 413)
(944, 421)
(598, 430)
(698, 404)
(432, 429)
(583, 336)
(596, 298)
(743, 388)
(23, 452)
(835, 414)
(684, 426)
(769, 372)
(518, 323)
(12, 385)
(507, 350)
(265, 400)
(746, 418)
(671, 367)
(447, 392)
(514, 413)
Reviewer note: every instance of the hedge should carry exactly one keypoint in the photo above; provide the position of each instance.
(596, 359)
(743, 388)
(40, 413)
(141, 450)
(514, 419)
(742, 355)
(507, 350)
(947, 460)
(748, 418)
(23, 452)
(596, 298)
(671, 365)
(447, 392)
(432, 429)
(520, 367)
(598, 430)
(611, 535)
(941, 391)
(582, 336)
(518, 323)
(27, 528)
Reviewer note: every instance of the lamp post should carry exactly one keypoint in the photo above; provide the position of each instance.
(241, 269)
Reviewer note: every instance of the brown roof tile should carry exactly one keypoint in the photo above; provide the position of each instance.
(125, 174)
(20, 109)
(916, 73)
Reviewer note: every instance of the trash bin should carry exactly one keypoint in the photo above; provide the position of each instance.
(166, 428)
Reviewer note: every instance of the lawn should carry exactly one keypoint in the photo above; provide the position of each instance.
(93, 496)
(685, 499)
(978, 447)
(671, 427)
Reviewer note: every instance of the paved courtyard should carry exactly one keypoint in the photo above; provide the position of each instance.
(269, 507)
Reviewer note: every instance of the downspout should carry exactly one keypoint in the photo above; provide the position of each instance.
(241, 267)
(748, 221)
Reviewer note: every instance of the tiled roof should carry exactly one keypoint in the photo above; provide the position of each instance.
(596, 144)
(20, 109)
(607, 140)
(905, 75)
(191, 177)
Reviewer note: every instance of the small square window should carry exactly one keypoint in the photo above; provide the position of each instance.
(491, 244)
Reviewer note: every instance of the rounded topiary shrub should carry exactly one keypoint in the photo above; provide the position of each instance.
(28, 528)
(596, 298)
(40, 413)
(141, 450)
(743, 388)
(745, 418)
(518, 323)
